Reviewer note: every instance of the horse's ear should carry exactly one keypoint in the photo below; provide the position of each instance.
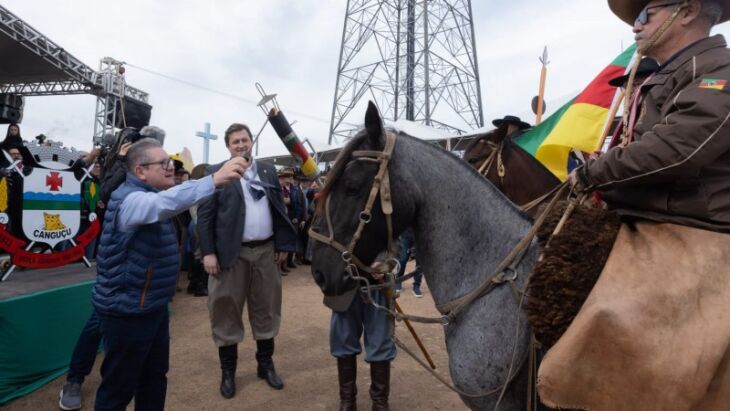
(374, 124)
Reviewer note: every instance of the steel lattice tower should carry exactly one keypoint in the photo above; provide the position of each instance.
(415, 58)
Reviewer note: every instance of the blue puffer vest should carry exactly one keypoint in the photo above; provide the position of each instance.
(137, 270)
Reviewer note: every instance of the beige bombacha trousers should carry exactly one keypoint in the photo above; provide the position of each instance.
(255, 279)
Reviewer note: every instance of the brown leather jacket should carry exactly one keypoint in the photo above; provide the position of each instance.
(678, 168)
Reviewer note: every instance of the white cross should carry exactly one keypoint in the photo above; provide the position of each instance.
(207, 136)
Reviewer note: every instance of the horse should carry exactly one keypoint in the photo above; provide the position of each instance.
(464, 227)
(516, 173)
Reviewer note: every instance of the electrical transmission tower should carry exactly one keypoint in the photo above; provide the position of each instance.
(415, 58)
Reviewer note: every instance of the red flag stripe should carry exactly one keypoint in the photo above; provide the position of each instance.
(599, 92)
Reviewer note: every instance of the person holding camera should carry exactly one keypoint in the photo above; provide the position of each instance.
(115, 170)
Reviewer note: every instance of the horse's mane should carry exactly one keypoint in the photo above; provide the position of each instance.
(338, 168)
(458, 162)
(439, 149)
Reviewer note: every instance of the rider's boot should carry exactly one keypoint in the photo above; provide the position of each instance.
(380, 385)
(347, 376)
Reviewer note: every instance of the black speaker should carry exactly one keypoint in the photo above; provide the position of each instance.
(12, 100)
(10, 115)
(136, 114)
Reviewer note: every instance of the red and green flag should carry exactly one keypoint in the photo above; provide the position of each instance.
(579, 123)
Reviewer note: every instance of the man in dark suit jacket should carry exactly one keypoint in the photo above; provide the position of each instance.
(244, 233)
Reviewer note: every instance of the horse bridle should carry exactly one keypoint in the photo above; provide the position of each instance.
(380, 188)
(495, 154)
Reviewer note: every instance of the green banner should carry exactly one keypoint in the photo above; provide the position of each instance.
(38, 333)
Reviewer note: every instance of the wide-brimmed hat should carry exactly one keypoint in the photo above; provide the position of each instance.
(511, 120)
(177, 162)
(646, 66)
(628, 10)
(285, 172)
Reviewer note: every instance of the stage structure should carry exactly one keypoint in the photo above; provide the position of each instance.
(48, 199)
(33, 65)
(415, 58)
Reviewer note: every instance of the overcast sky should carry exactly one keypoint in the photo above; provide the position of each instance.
(292, 48)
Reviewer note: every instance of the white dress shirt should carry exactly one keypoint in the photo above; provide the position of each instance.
(258, 224)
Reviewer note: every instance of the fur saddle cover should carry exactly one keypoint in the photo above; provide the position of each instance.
(654, 333)
(568, 268)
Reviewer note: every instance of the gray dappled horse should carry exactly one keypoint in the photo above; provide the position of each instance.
(464, 227)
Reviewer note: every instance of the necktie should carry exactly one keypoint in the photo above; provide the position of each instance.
(257, 188)
(254, 187)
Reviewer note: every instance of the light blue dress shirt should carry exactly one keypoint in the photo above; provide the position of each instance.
(140, 208)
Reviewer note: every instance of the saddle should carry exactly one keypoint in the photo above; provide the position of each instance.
(568, 267)
(652, 333)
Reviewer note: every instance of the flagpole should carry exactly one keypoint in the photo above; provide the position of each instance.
(609, 120)
(618, 101)
(541, 92)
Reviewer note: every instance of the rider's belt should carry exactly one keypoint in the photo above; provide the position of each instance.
(256, 243)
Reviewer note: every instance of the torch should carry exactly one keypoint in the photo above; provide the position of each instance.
(292, 142)
(283, 129)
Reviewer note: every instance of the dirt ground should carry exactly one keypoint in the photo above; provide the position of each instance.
(302, 360)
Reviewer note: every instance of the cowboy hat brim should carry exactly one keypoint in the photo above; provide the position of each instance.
(647, 66)
(628, 10)
(522, 125)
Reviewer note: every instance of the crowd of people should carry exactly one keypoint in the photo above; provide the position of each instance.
(158, 218)
(239, 226)
(149, 201)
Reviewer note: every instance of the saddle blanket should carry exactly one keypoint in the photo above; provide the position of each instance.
(654, 333)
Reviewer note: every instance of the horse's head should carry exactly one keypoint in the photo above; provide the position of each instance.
(480, 149)
(350, 221)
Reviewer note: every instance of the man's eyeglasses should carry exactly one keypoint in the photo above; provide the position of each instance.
(643, 17)
(166, 164)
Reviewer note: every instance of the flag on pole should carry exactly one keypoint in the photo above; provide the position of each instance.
(579, 123)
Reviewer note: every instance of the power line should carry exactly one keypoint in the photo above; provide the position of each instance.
(188, 83)
(221, 93)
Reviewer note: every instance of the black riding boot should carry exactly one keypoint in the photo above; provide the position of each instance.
(347, 376)
(380, 385)
(265, 369)
(229, 357)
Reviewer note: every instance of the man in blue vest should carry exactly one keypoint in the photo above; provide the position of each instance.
(137, 268)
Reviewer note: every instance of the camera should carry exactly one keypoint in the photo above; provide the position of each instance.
(129, 135)
(111, 144)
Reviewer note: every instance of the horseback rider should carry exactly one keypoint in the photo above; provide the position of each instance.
(677, 167)
(652, 333)
(513, 126)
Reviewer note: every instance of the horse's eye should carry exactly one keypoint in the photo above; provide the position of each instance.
(351, 189)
